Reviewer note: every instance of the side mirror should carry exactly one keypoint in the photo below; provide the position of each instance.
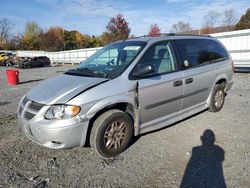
(144, 71)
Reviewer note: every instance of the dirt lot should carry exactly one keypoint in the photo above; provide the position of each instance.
(158, 159)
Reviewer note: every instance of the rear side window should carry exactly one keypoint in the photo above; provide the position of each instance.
(197, 52)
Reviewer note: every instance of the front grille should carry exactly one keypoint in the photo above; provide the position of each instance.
(35, 106)
(25, 100)
(28, 115)
(22, 105)
(31, 108)
(20, 110)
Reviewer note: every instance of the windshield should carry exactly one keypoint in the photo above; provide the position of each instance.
(110, 61)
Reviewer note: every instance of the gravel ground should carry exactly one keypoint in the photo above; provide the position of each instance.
(158, 159)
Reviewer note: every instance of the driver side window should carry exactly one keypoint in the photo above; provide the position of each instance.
(160, 57)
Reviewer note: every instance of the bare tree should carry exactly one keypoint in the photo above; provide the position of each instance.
(210, 19)
(229, 18)
(181, 27)
(5, 28)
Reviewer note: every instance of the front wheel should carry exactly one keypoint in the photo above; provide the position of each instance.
(218, 98)
(111, 133)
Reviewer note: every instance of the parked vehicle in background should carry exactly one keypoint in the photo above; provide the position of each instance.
(6, 59)
(41, 61)
(3, 59)
(125, 89)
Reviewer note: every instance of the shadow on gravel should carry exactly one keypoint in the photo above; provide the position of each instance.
(43, 184)
(136, 138)
(4, 103)
(174, 124)
(204, 168)
(31, 81)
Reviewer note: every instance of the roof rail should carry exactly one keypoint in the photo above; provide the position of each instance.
(156, 35)
(203, 35)
(171, 34)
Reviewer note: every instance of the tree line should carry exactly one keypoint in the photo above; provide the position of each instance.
(227, 20)
(58, 38)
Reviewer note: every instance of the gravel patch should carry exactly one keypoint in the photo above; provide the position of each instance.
(158, 159)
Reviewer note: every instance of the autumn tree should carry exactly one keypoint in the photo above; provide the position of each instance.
(12, 44)
(5, 28)
(57, 38)
(95, 42)
(206, 30)
(32, 35)
(244, 22)
(53, 39)
(154, 30)
(117, 29)
(181, 27)
(209, 21)
(82, 40)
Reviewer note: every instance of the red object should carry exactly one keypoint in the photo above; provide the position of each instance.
(12, 76)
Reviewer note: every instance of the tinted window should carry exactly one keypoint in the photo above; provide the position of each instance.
(159, 56)
(195, 52)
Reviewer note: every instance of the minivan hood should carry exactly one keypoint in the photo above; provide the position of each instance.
(61, 88)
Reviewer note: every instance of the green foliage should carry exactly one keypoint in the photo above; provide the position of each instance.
(95, 42)
(32, 34)
(76, 40)
(244, 22)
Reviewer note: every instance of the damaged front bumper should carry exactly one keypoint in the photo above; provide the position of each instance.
(53, 134)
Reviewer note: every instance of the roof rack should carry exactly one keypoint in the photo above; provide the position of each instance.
(171, 34)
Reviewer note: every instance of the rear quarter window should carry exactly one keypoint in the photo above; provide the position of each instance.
(198, 52)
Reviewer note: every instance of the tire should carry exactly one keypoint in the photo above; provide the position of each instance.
(27, 66)
(111, 133)
(218, 98)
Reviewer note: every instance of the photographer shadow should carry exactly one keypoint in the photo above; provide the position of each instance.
(204, 168)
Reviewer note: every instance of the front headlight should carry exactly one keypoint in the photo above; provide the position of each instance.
(62, 111)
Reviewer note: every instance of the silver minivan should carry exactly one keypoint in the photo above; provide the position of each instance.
(125, 89)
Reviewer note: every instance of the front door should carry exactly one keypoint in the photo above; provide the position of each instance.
(160, 94)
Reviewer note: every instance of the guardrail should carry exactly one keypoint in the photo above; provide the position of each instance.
(64, 57)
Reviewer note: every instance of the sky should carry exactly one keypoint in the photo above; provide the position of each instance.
(91, 16)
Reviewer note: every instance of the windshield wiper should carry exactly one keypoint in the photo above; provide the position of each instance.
(86, 72)
(98, 73)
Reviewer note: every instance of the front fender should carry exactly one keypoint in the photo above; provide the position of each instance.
(112, 101)
(108, 102)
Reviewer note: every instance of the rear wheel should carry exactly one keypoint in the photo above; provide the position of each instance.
(111, 133)
(218, 98)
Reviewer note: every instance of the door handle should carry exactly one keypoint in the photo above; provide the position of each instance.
(177, 83)
(189, 80)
